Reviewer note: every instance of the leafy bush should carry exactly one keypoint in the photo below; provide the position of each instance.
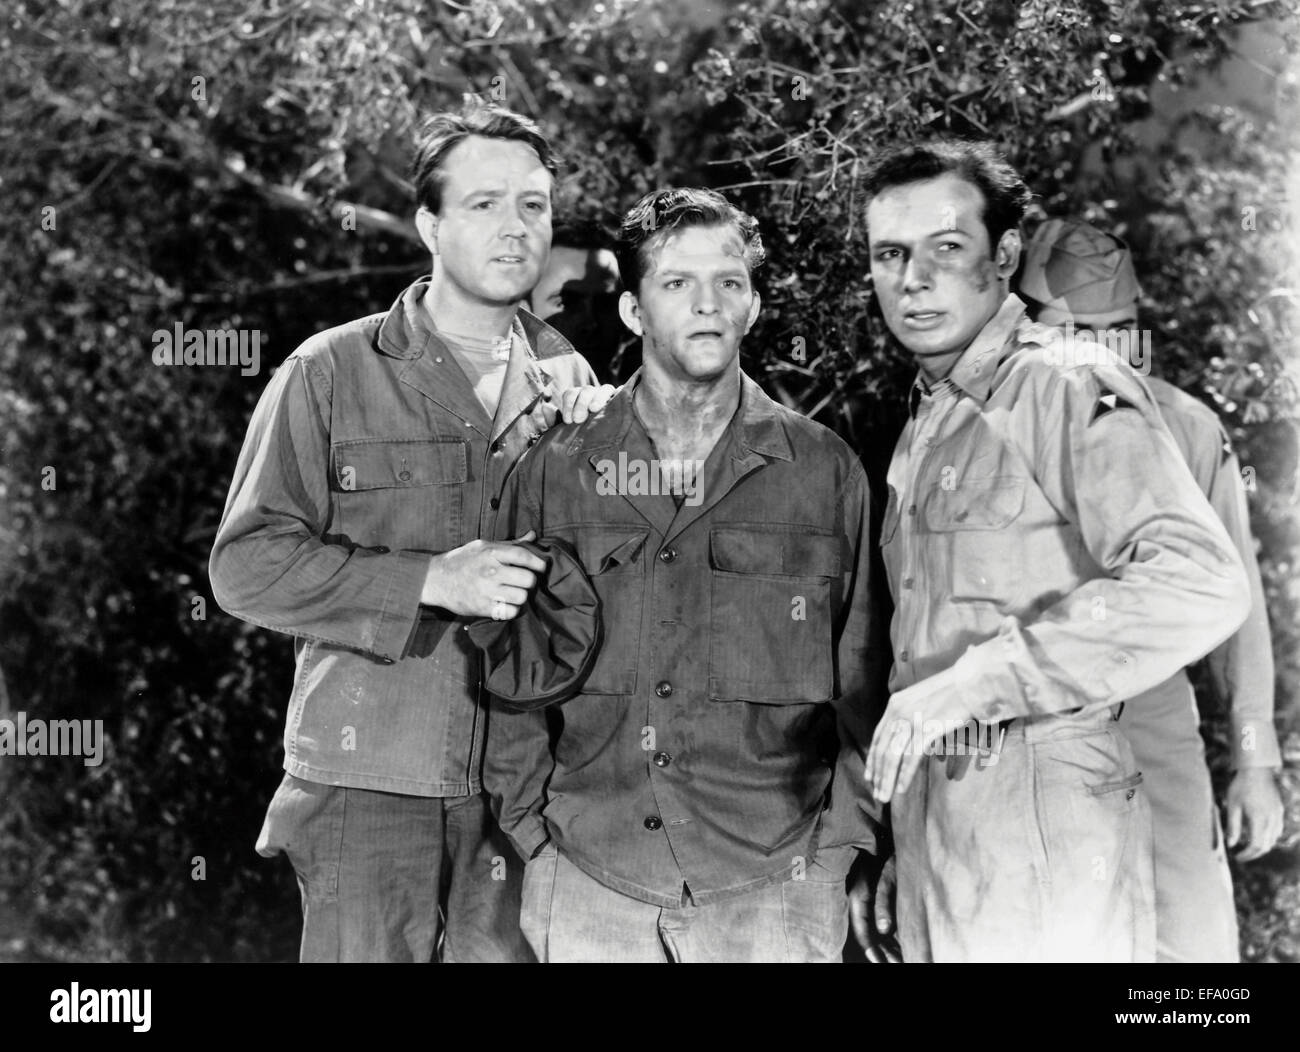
(214, 167)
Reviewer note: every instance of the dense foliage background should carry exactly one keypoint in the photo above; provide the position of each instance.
(243, 164)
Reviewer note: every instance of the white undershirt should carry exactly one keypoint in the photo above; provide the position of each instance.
(484, 362)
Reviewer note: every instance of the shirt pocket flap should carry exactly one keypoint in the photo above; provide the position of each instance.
(779, 553)
(372, 464)
(976, 504)
(603, 551)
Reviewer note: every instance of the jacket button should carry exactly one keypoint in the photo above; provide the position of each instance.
(662, 759)
(494, 503)
(404, 476)
(385, 661)
(381, 549)
(1129, 794)
(907, 582)
(902, 655)
(664, 688)
(912, 510)
(668, 555)
(653, 822)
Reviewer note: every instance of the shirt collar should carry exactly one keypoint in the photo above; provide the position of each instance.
(756, 425)
(407, 328)
(974, 371)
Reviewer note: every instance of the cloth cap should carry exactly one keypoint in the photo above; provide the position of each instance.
(542, 656)
(1076, 268)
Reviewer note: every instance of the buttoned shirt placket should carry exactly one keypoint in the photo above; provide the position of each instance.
(906, 475)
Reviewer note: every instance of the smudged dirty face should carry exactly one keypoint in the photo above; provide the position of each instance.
(695, 303)
(936, 278)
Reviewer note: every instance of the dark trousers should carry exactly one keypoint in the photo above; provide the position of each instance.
(385, 877)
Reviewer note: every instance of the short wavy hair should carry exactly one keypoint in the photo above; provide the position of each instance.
(1006, 197)
(442, 132)
(662, 211)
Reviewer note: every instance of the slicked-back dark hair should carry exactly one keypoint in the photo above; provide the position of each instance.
(440, 133)
(662, 211)
(1006, 197)
(590, 234)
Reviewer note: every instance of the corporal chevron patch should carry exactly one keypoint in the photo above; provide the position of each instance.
(1109, 401)
(1225, 450)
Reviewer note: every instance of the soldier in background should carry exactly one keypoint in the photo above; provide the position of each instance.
(1074, 273)
(577, 295)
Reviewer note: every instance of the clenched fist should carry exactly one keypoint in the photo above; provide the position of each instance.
(483, 578)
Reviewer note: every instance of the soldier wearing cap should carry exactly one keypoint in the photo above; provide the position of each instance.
(1050, 558)
(1076, 274)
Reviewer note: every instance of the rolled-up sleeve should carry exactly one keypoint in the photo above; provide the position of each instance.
(270, 564)
(1172, 586)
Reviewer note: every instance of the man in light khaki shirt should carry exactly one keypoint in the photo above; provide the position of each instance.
(1050, 557)
(1077, 275)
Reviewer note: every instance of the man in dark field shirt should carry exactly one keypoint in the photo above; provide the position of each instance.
(356, 521)
(694, 801)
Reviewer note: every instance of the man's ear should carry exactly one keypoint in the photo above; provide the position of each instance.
(1007, 256)
(754, 308)
(630, 311)
(427, 225)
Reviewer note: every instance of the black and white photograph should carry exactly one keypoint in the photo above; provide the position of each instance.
(645, 481)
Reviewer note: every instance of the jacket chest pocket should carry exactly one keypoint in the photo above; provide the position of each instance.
(614, 559)
(974, 522)
(771, 624)
(403, 493)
